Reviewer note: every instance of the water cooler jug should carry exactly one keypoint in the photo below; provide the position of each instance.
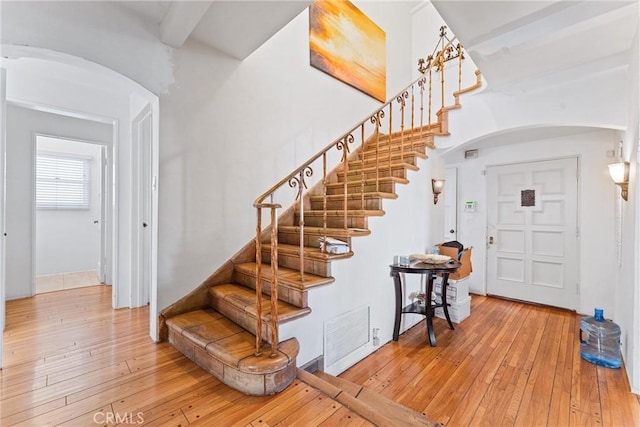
(600, 340)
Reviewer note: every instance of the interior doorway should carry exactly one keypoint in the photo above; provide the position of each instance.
(69, 217)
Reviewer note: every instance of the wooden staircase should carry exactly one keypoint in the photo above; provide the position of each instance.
(229, 324)
(220, 334)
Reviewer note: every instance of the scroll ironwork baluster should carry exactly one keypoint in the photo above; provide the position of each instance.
(412, 116)
(401, 99)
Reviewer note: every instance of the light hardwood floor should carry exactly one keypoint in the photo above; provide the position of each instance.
(70, 360)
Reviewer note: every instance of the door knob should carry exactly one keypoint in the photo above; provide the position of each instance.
(144, 224)
(95, 222)
(452, 231)
(491, 240)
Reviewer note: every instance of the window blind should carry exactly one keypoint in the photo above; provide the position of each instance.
(62, 181)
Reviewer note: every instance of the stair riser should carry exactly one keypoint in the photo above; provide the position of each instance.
(317, 267)
(399, 172)
(383, 156)
(407, 137)
(419, 147)
(294, 297)
(241, 318)
(384, 187)
(335, 221)
(356, 165)
(293, 238)
(355, 204)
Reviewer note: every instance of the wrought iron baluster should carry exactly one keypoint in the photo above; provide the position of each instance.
(258, 282)
(274, 281)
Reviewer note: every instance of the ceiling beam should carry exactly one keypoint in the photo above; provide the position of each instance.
(180, 21)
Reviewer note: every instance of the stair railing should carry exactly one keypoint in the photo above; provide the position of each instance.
(298, 178)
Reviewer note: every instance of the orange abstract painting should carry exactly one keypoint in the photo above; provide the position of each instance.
(347, 45)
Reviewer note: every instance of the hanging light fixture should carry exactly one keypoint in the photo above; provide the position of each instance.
(620, 175)
(437, 185)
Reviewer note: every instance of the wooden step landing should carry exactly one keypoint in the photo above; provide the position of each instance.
(238, 303)
(370, 405)
(226, 351)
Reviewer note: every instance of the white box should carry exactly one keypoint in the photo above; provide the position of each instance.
(458, 311)
(457, 290)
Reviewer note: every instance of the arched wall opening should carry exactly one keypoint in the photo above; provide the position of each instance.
(72, 88)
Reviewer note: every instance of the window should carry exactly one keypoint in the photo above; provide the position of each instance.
(62, 181)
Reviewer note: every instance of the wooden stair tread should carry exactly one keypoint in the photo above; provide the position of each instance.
(286, 276)
(386, 153)
(244, 299)
(370, 405)
(309, 252)
(406, 146)
(369, 169)
(321, 231)
(409, 138)
(352, 196)
(355, 183)
(339, 213)
(230, 344)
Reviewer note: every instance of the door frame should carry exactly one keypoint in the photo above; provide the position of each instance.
(141, 149)
(106, 199)
(3, 127)
(578, 159)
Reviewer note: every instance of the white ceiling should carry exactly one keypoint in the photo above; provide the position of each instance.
(234, 27)
(518, 45)
(524, 45)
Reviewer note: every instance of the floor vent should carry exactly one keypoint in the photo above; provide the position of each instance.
(346, 338)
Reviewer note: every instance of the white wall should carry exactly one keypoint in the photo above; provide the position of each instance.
(232, 129)
(627, 276)
(22, 126)
(69, 240)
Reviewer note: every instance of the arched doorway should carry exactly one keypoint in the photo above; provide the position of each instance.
(46, 81)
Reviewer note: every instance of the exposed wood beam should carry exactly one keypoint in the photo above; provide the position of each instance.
(180, 21)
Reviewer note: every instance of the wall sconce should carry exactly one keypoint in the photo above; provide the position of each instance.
(620, 175)
(437, 185)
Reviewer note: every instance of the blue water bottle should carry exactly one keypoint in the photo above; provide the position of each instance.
(600, 340)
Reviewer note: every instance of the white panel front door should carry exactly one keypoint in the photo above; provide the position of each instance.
(532, 234)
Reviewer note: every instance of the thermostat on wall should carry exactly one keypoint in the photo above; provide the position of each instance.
(470, 206)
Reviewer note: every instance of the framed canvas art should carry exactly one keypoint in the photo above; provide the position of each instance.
(347, 45)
